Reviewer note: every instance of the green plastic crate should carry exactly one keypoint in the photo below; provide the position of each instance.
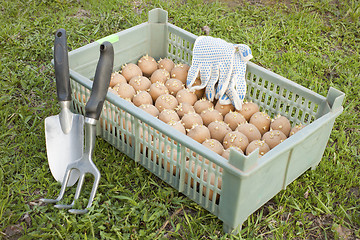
(247, 182)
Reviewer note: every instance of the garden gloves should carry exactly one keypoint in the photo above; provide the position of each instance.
(212, 58)
(221, 63)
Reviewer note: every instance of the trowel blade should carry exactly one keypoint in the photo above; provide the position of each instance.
(63, 148)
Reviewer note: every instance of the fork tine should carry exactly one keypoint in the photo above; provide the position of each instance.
(93, 190)
(62, 190)
(79, 186)
(97, 175)
(77, 194)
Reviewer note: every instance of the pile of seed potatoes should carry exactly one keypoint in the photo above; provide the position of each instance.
(159, 89)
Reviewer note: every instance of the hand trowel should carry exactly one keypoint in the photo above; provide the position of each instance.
(64, 133)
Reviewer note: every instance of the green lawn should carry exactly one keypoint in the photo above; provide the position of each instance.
(314, 43)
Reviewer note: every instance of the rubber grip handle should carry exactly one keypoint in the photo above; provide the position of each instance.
(101, 81)
(62, 66)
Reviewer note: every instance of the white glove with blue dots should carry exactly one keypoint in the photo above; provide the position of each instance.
(221, 63)
(213, 59)
(236, 90)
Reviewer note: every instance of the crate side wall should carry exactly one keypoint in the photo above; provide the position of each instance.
(180, 45)
(277, 95)
(309, 153)
(245, 195)
(131, 45)
(158, 40)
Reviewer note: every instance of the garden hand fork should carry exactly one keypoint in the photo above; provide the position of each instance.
(93, 110)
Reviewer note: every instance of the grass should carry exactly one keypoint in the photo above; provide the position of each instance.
(314, 43)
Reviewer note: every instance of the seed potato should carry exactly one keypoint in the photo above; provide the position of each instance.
(174, 158)
(166, 101)
(190, 166)
(262, 145)
(190, 119)
(218, 130)
(116, 88)
(126, 91)
(184, 95)
(281, 123)
(174, 85)
(199, 133)
(224, 109)
(167, 150)
(179, 72)
(142, 97)
(212, 182)
(262, 121)
(210, 115)
(157, 89)
(151, 109)
(116, 78)
(250, 131)
(111, 90)
(236, 139)
(140, 83)
(184, 66)
(148, 65)
(168, 115)
(130, 70)
(296, 129)
(201, 92)
(234, 119)
(214, 145)
(202, 104)
(178, 126)
(160, 75)
(166, 64)
(248, 109)
(184, 108)
(273, 138)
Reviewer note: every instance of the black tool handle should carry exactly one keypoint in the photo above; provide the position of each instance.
(62, 66)
(101, 81)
